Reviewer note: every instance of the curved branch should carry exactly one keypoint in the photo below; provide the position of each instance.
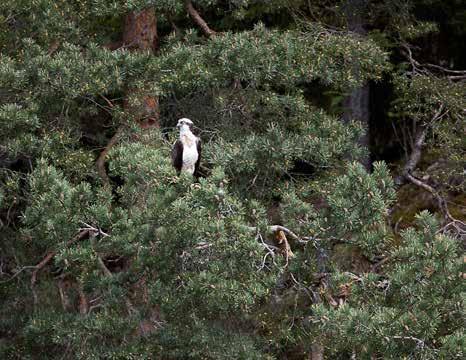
(416, 152)
(82, 234)
(100, 163)
(199, 20)
(275, 228)
(441, 201)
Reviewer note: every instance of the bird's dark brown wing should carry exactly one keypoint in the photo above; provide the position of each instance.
(196, 166)
(177, 155)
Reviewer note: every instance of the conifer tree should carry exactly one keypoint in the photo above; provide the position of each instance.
(284, 247)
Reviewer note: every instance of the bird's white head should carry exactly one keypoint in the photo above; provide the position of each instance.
(183, 123)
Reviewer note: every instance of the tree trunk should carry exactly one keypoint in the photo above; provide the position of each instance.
(317, 352)
(357, 103)
(140, 34)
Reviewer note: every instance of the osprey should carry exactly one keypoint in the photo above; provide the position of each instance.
(186, 152)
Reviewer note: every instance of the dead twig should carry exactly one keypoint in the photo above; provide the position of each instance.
(458, 226)
(441, 68)
(109, 103)
(420, 343)
(416, 66)
(93, 230)
(275, 228)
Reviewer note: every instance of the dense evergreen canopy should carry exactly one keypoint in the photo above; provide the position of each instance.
(329, 217)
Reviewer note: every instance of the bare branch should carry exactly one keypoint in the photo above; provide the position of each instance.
(457, 77)
(420, 343)
(16, 274)
(269, 248)
(40, 265)
(441, 201)
(416, 151)
(462, 72)
(199, 20)
(100, 163)
(275, 228)
(313, 296)
(418, 68)
(109, 103)
(95, 231)
(104, 267)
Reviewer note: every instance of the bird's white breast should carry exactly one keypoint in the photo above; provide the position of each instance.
(190, 154)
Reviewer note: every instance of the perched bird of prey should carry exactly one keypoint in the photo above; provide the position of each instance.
(186, 152)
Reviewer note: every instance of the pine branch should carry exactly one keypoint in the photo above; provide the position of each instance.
(41, 265)
(420, 343)
(276, 228)
(82, 234)
(199, 20)
(16, 274)
(458, 225)
(418, 143)
(100, 163)
(440, 200)
(418, 68)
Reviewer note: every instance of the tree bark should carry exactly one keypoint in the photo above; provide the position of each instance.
(140, 34)
(140, 30)
(356, 105)
(317, 352)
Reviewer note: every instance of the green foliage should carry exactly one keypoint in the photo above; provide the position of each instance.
(408, 311)
(358, 205)
(155, 264)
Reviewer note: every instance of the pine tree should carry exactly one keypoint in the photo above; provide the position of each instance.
(108, 253)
